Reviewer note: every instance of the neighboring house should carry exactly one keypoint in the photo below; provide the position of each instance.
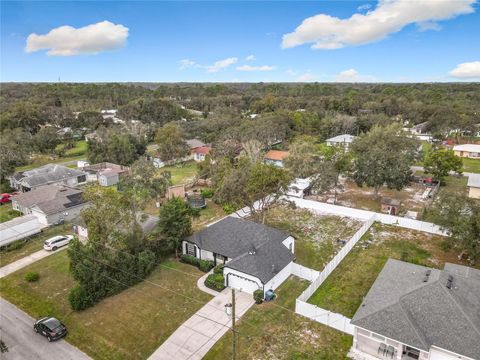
(50, 204)
(256, 256)
(390, 206)
(344, 140)
(91, 136)
(49, 174)
(147, 222)
(420, 131)
(474, 186)
(300, 188)
(194, 143)
(414, 312)
(107, 174)
(200, 153)
(275, 157)
(467, 151)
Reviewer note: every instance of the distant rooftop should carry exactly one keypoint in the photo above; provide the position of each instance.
(194, 143)
(276, 155)
(345, 138)
(47, 174)
(467, 147)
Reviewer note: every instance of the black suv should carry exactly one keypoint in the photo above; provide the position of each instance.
(50, 327)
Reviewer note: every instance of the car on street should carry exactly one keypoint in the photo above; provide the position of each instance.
(5, 198)
(50, 327)
(56, 242)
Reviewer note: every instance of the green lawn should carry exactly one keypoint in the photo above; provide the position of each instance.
(24, 247)
(268, 331)
(315, 236)
(182, 173)
(7, 213)
(471, 165)
(344, 289)
(130, 325)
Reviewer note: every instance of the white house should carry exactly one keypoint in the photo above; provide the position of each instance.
(50, 204)
(256, 256)
(415, 312)
(49, 174)
(107, 174)
(344, 140)
(300, 187)
(467, 150)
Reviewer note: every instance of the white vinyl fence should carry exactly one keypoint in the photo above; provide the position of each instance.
(304, 272)
(334, 320)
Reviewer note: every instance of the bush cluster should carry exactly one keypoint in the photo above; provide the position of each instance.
(80, 298)
(228, 208)
(207, 193)
(32, 276)
(215, 282)
(258, 296)
(203, 265)
(218, 269)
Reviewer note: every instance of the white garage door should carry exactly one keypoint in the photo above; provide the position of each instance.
(243, 284)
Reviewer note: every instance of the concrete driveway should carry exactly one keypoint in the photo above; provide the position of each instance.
(27, 260)
(196, 336)
(16, 330)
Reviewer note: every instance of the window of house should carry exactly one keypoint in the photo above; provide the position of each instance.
(82, 178)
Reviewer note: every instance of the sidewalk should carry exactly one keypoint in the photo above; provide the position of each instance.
(27, 260)
(196, 336)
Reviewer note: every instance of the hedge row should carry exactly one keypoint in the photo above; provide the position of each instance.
(203, 265)
(215, 282)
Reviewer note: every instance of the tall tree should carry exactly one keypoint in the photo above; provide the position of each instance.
(304, 159)
(14, 150)
(383, 156)
(46, 140)
(175, 222)
(171, 143)
(440, 162)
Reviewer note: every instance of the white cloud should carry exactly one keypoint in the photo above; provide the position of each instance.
(69, 41)
(306, 77)
(468, 70)
(221, 64)
(250, 58)
(364, 7)
(255, 68)
(352, 75)
(186, 63)
(390, 16)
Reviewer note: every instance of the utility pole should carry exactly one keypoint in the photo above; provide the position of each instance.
(234, 341)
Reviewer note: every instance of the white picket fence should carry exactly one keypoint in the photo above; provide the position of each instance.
(304, 272)
(321, 207)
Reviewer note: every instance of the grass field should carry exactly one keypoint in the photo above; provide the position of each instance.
(273, 331)
(344, 289)
(471, 165)
(22, 248)
(317, 238)
(130, 325)
(7, 213)
(183, 172)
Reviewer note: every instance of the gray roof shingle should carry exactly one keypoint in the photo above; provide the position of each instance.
(401, 306)
(47, 174)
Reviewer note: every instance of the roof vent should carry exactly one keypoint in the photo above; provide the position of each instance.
(427, 275)
(252, 251)
(449, 282)
(273, 268)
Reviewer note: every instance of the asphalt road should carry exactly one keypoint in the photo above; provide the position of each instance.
(16, 330)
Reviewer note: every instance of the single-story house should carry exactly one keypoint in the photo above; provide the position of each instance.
(256, 256)
(415, 312)
(200, 153)
(49, 174)
(51, 204)
(107, 174)
(194, 143)
(344, 140)
(300, 188)
(467, 150)
(275, 157)
(474, 186)
(390, 206)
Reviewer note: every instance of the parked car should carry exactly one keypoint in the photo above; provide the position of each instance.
(50, 327)
(55, 242)
(5, 198)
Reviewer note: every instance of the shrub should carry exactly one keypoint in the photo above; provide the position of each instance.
(207, 193)
(258, 296)
(205, 265)
(79, 298)
(228, 208)
(32, 276)
(189, 259)
(215, 282)
(218, 269)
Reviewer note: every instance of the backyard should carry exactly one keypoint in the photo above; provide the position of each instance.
(7, 213)
(273, 331)
(471, 165)
(317, 237)
(344, 289)
(182, 173)
(129, 325)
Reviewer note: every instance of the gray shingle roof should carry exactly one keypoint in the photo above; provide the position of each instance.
(401, 306)
(48, 174)
(51, 199)
(194, 143)
(235, 238)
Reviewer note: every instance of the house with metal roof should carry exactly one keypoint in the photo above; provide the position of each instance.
(416, 312)
(50, 204)
(474, 186)
(344, 140)
(255, 256)
(106, 173)
(50, 174)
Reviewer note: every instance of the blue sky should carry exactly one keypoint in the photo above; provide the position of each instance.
(182, 41)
